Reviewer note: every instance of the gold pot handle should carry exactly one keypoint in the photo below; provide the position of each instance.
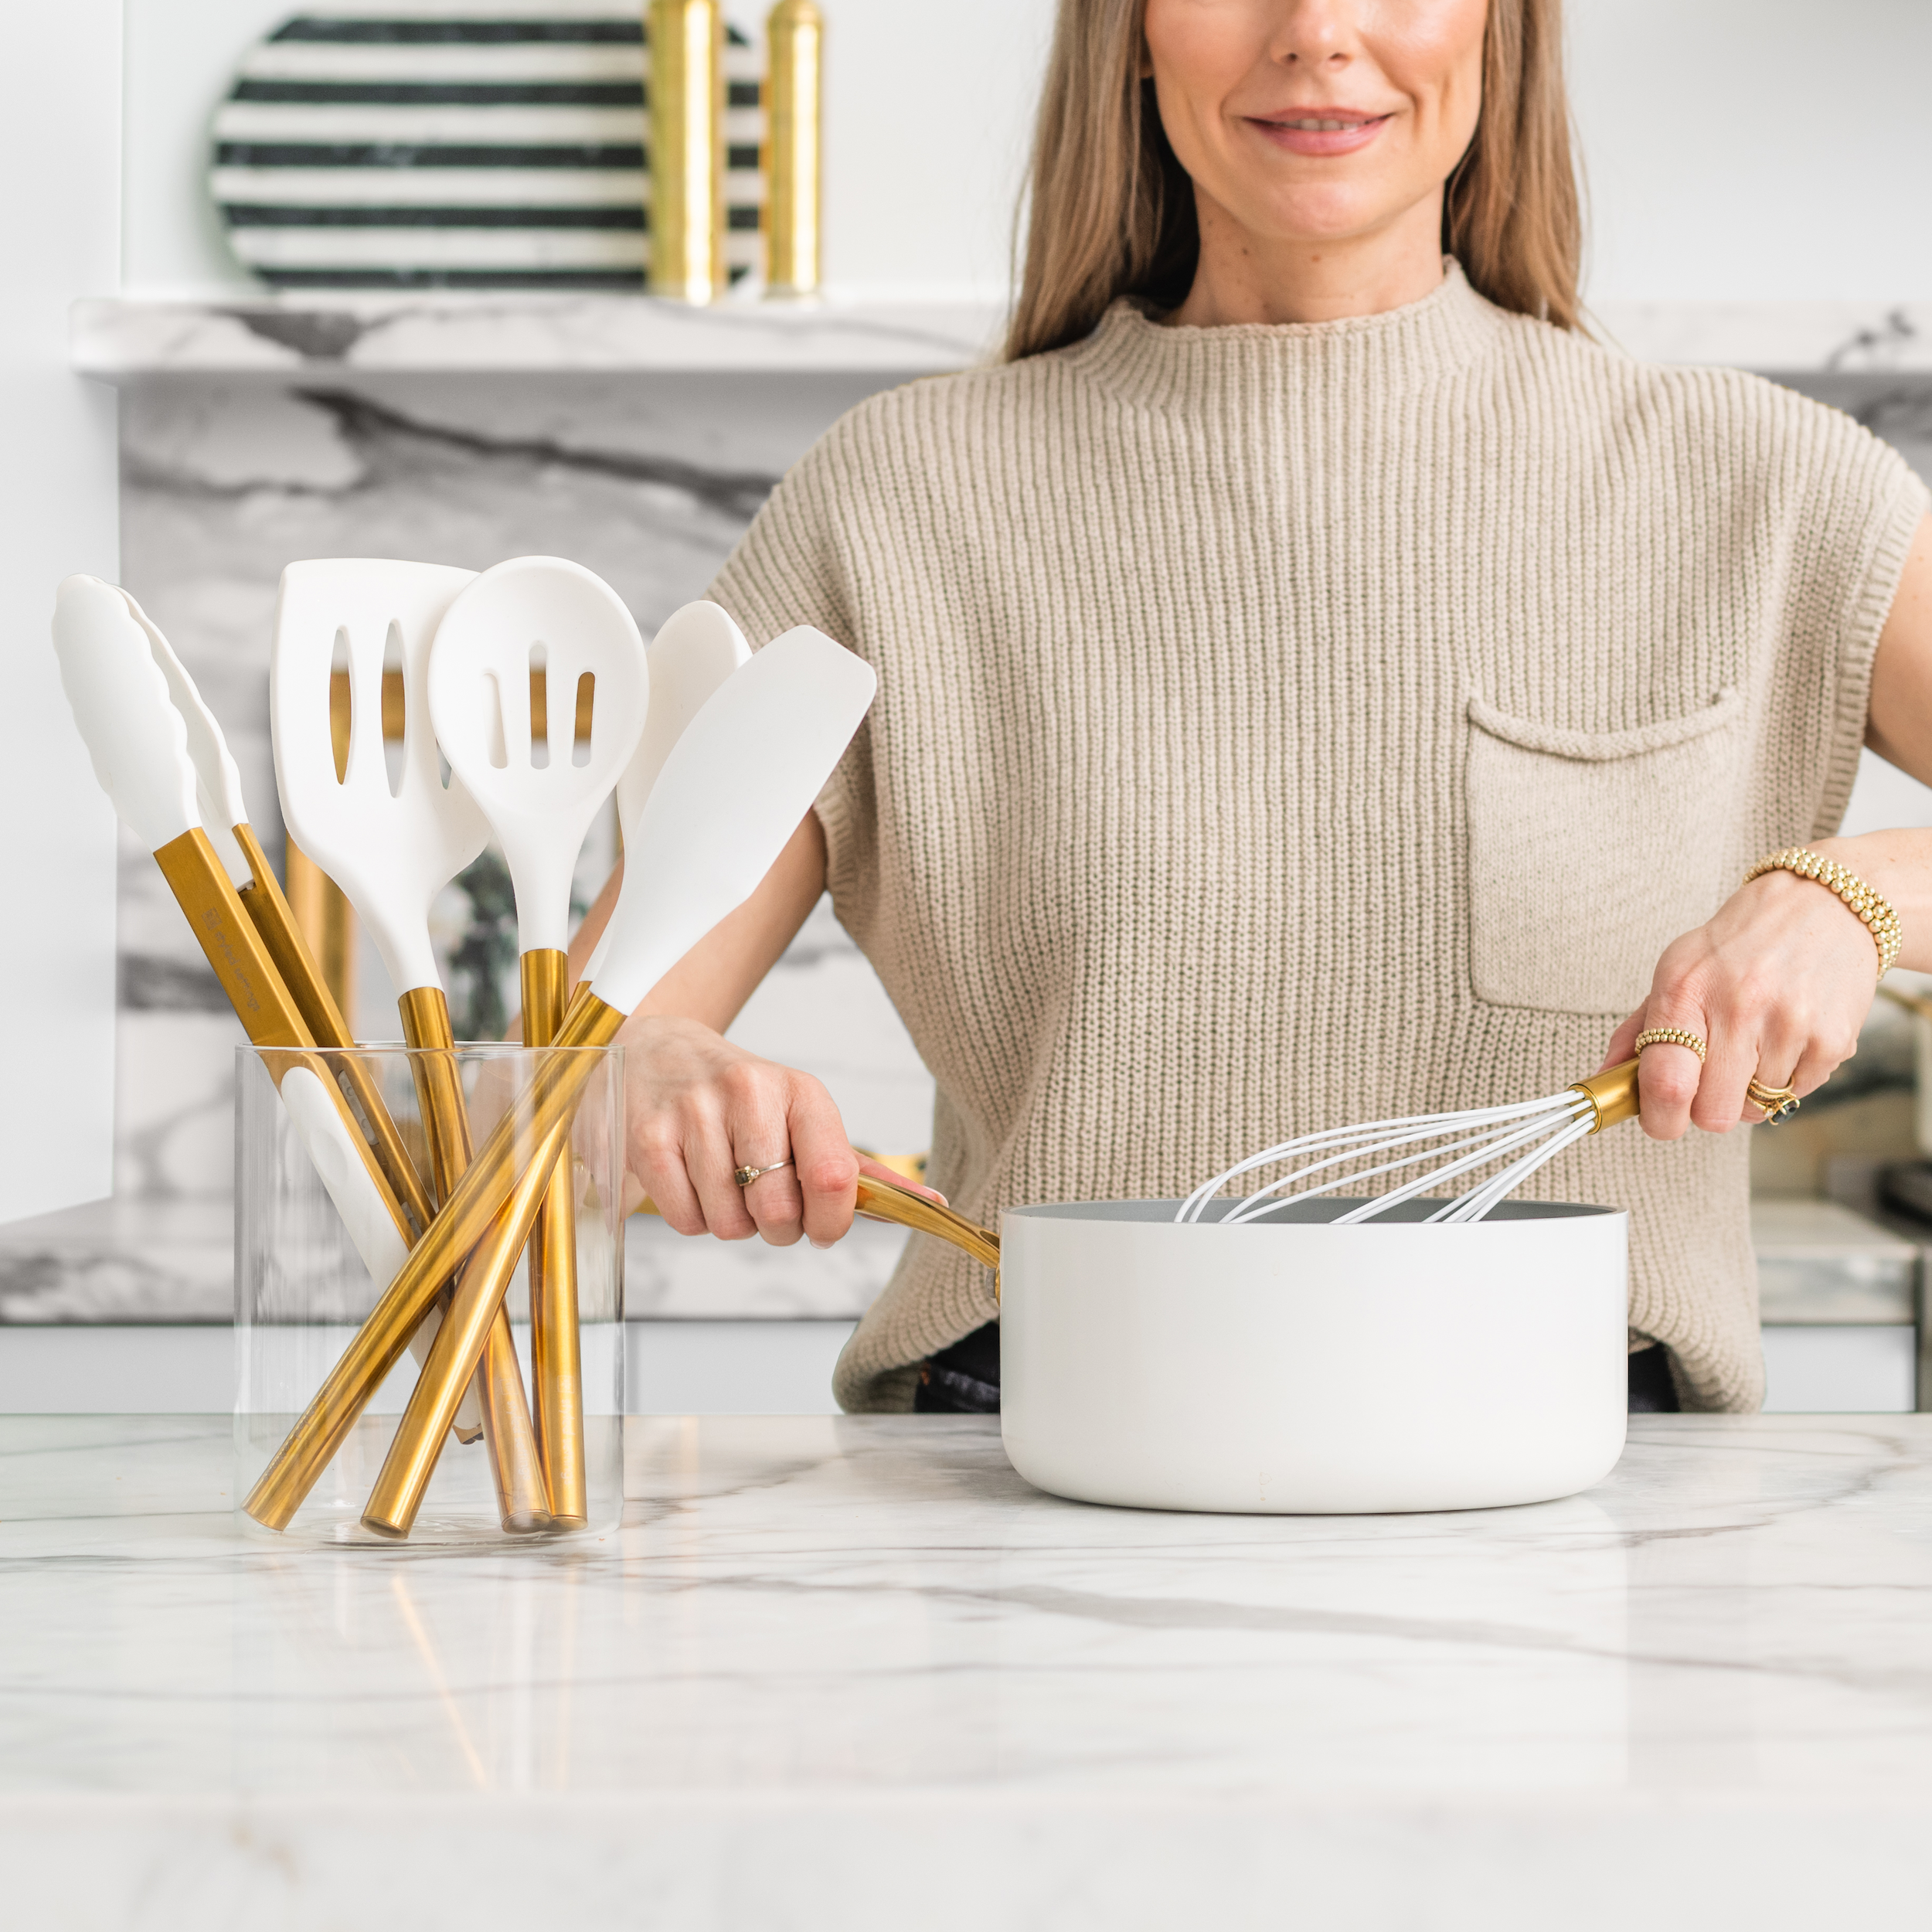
(881, 1201)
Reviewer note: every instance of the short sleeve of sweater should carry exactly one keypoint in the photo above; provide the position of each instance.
(1855, 508)
(787, 570)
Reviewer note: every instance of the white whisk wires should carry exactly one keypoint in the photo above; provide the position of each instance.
(1525, 1136)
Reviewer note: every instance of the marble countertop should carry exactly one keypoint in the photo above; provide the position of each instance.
(853, 1673)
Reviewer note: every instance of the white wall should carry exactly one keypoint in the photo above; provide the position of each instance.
(180, 59)
(928, 107)
(1737, 150)
(59, 154)
(1756, 150)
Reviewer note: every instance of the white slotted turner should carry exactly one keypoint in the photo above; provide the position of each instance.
(391, 851)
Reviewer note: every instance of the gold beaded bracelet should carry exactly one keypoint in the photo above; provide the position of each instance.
(1876, 913)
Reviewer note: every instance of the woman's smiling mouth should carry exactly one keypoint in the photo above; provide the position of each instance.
(1333, 131)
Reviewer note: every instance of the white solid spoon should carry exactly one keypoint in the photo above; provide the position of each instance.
(697, 649)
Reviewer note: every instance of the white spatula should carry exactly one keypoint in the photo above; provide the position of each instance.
(732, 792)
(543, 623)
(697, 649)
(391, 850)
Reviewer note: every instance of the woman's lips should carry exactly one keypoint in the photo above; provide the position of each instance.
(1321, 134)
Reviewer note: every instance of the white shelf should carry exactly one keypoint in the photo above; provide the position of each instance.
(1847, 338)
(126, 340)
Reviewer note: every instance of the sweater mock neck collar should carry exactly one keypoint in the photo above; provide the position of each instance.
(1133, 353)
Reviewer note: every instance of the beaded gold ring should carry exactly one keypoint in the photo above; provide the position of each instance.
(1670, 1036)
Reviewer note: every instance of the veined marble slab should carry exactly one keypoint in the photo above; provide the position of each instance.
(147, 1261)
(649, 483)
(850, 1672)
(129, 1259)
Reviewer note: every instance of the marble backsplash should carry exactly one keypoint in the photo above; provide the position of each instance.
(648, 479)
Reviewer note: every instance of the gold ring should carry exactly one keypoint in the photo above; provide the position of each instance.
(744, 1176)
(1670, 1037)
(1777, 1102)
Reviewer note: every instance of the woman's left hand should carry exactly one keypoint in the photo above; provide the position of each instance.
(1777, 984)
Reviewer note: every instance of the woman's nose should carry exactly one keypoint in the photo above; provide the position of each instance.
(1313, 33)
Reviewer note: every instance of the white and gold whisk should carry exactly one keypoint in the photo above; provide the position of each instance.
(1524, 1136)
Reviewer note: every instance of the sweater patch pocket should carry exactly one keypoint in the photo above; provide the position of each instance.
(1590, 852)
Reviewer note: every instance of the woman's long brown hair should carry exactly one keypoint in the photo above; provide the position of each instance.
(1112, 210)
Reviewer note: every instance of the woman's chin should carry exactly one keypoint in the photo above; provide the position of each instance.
(1333, 216)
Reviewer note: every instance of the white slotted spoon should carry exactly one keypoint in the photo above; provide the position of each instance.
(392, 851)
(543, 623)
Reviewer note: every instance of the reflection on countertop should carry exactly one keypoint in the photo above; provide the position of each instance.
(830, 1666)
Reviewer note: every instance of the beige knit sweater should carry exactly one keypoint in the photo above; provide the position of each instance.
(1278, 727)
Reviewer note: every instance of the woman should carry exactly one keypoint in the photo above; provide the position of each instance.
(1317, 682)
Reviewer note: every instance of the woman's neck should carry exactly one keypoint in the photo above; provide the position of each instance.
(1246, 278)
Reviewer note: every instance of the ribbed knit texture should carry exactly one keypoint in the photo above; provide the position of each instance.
(1284, 726)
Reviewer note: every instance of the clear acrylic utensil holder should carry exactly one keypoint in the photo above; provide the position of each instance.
(302, 1290)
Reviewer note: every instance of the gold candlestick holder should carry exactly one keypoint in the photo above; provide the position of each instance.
(794, 42)
(686, 95)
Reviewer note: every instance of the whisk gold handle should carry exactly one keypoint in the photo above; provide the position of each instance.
(1612, 1094)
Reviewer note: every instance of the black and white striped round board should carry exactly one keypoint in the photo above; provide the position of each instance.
(424, 147)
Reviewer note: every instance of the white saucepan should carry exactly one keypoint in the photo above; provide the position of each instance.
(1289, 1366)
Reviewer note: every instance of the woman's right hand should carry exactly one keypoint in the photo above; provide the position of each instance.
(698, 1108)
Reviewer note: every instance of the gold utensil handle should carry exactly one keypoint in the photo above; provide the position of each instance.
(522, 1505)
(882, 1201)
(268, 908)
(556, 1363)
(460, 1343)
